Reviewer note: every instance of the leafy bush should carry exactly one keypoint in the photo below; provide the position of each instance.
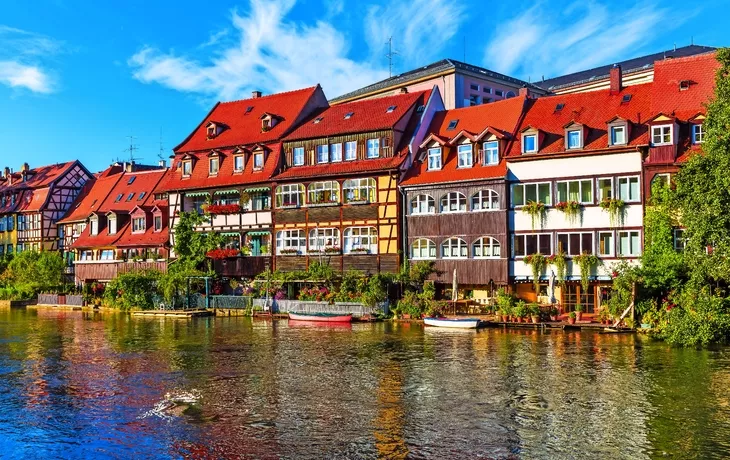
(132, 291)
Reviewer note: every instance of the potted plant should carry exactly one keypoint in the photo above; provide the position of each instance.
(571, 317)
(553, 314)
(534, 313)
(521, 311)
(579, 312)
(571, 209)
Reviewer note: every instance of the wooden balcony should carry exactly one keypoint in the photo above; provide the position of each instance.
(662, 154)
(242, 266)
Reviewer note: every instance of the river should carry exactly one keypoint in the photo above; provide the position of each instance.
(91, 385)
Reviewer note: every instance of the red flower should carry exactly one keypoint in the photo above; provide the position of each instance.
(223, 253)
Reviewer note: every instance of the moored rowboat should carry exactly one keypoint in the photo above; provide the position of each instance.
(322, 317)
(463, 323)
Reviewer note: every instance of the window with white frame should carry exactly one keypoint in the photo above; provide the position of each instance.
(680, 242)
(574, 244)
(574, 139)
(373, 148)
(361, 240)
(324, 192)
(112, 224)
(258, 161)
(538, 192)
(527, 244)
(139, 224)
(661, 135)
(321, 239)
(323, 153)
(423, 204)
(158, 223)
(629, 243)
(238, 163)
(351, 150)
(529, 143)
(628, 189)
(335, 152)
(187, 168)
(214, 166)
(485, 200)
(466, 156)
(93, 226)
(486, 247)
(605, 244)
(423, 248)
(107, 254)
(604, 188)
(298, 156)
(491, 152)
(291, 242)
(575, 190)
(289, 195)
(359, 190)
(664, 179)
(454, 248)
(698, 134)
(434, 159)
(618, 135)
(453, 202)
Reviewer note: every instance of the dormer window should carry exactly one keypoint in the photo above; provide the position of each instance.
(698, 134)
(268, 121)
(317, 120)
(684, 85)
(93, 225)
(491, 152)
(213, 129)
(158, 223)
(465, 155)
(618, 135)
(258, 161)
(298, 156)
(434, 159)
(238, 163)
(661, 135)
(574, 139)
(112, 224)
(529, 143)
(139, 225)
(323, 153)
(187, 168)
(214, 165)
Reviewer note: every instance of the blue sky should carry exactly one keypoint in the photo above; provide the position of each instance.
(77, 78)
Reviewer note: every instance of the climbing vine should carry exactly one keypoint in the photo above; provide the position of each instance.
(585, 262)
(615, 209)
(537, 262)
(536, 210)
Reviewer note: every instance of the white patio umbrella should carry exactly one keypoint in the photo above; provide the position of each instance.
(454, 292)
(551, 286)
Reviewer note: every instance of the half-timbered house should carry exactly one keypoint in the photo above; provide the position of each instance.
(456, 199)
(224, 169)
(336, 199)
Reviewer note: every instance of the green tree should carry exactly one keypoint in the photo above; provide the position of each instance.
(191, 246)
(38, 270)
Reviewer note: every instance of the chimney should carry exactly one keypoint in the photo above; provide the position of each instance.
(255, 94)
(130, 167)
(616, 79)
(162, 163)
(403, 90)
(25, 167)
(524, 92)
(9, 175)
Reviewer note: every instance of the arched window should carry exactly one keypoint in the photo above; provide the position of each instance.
(359, 190)
(453, 202)
(485, 200)
(361, 240)
(324, 239)
(454, 248)
(289, 195)
(423, 248)
(323, 192)
(486, 247)
(291, 242)
(423, 204)
(509, 94)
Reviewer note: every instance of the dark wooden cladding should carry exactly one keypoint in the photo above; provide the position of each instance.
(389, 263)
(662, 154)
(246, 267)
(290, 216)
(291, 263)
(109, 271)
(386, 137)
(363, 263)
(442, 226)
(324, 214)
(472, 271)
(360, 212)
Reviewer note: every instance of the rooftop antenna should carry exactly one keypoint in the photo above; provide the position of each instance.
(160, 154)
(390, 55)
(692, 40)
(132, 148)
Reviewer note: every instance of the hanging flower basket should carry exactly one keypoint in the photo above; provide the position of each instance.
(571, 209)
(359, 251)
(289, 252)
(561, 266)
(537, 262)
(615, 210)
(332, 250)
(585, 262)
(536, 210)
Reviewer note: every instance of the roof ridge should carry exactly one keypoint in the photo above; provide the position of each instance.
(268, 96)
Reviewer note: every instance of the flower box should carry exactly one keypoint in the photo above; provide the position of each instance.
(359, 251)
(223, 209)
(289, 252)
(223, 253)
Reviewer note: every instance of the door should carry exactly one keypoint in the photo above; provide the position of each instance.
(256, 242)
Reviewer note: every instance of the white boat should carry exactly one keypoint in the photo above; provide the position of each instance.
(461, 323)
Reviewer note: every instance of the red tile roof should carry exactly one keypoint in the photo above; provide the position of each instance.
(33, 200)
(342, 168)
(667, 98)
(91, 197)
(42, 176)
(148, 238)
(502, 116)
(366, 115)
(243, 127)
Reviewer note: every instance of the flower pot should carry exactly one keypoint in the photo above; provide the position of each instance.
(578, 315)
(535, 319)
(553, 317)
(405, 316)
(571, 320)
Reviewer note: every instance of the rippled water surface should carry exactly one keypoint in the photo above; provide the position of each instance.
(82, 385)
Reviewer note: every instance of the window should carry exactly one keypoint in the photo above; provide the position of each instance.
(131, 180)
(423, 204)
(373, 148)
(351, 150)
(454, 248)
(434, 159)
(226, 197)
(486, 247)
(214, 164)
(87, 255)
(487, 89)
(466, 157)
(474, 100)
(187, 168)
(321, 239)
(238, 163)
(474, 87)
(119, 198)
(605, 244)
(698, 134)
(679, 240)
(141, 196)
(361, 240)
(107, 254)
(324, 192)
(298, 156)
(664, 179)
(335, 152)
(524, 245)
(390, 109)
(510, 94)
(629, 243)
(130, 196)
(138, 224)
(452, 125)
(661, 135)
(453, 202)
(604, 188)
(359, 190)
(576, 190)
(290, 195)
(349, 115)
(628, 189)
(323, 153)
(575, 244)
(94, 226)
(423, 248)
(491, 152)
(158, 223)
(529, 143)
(258, 161)
(524, 193)
(291, 242)
(485, 200)
(499, 92)
(618, 135)
(112, 226)
(574, 141)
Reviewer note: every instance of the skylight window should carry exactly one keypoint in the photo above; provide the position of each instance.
(349, 115)
(626, 99)
(141, 196)
(317, 120)
(119, 198)
(390, 109)
(130, 196)
(131, 179)
(249, 109)
(420, 108)
(559, 107)
(452, 125)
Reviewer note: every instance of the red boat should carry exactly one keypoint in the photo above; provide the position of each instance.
(322, 317)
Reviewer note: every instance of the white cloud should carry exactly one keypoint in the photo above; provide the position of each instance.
(420, 28)
(270, 54)
(21, 56)
(17, 75)
(540, 42)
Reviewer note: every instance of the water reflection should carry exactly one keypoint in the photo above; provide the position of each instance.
(89, 385)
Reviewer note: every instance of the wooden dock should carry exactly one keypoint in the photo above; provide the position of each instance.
(173, 313)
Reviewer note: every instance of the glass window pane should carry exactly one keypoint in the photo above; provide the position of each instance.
(562, 243)
(634, 189)
(544, 193)
(586, 243)
(574, 191)
(635, 243)
(605, 188)
(530, 244)
(518, 195)
(586, 191)
(562, 191)
(545, 246)
(574, 248)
